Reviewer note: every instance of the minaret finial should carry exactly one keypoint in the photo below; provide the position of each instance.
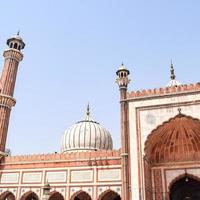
(88, 110)
(18, 32)
(172, 72)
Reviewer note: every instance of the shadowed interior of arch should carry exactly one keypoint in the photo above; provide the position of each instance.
(185, 188)
(29, 196)
(56, 196)
(81, 196)
(110, 195)
(7, 196)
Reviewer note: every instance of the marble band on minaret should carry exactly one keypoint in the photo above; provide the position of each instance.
(13, 56)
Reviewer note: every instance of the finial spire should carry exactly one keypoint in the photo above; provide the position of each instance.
(18, 32)
(88, 110)
(172, 72)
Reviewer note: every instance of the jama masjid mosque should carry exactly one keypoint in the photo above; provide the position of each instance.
(159, 158)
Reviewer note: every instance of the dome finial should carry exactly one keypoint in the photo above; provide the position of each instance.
(88, 110)
(179, 110)
(172, 72)
(18, 32)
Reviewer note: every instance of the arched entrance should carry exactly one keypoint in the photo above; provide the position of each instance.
(7, 196)
(29, 196)
(185, 188)
(109, 195)
(56, 196)
(81, 195)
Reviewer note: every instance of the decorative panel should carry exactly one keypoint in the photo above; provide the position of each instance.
(32, 177)
(56, 176)
(9, 177)
(109, 175)
(82, 176)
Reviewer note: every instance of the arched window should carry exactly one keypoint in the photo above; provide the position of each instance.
(11, 45)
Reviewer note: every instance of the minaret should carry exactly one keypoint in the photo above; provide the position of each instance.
(123, 81)
(13, 56)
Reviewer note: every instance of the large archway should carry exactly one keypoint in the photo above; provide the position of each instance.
(81, 195)
(7, 196)
(29, 196)
(109, 195)
(56, 196)
(185, 188)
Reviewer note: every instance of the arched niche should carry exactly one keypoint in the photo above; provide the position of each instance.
(185, 187)
(81, 195)
(55, 196)
(109, 195)
(30, 195)
(7, 196)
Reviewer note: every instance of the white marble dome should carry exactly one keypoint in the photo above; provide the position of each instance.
(86, 135)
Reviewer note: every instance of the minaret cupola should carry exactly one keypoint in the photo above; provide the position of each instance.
(122, 76)
(16, 42)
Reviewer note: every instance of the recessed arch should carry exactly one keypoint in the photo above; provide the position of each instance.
(54, 195)
(185, 187)
(182, 176)
(81, 195)
(7, 195)
(109, 195)
(30, 195)
(175, 140)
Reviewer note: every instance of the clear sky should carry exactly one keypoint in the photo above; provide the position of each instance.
(73, 49)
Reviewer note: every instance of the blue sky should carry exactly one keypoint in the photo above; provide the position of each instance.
(73, 49)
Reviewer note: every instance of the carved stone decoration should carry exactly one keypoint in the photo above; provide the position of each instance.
(158, 190)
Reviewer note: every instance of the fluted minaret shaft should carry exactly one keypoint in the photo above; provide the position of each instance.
(8, 78)
(12, 57)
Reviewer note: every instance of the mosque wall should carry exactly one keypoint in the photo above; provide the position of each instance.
(93, 174)
(67, 181)
(146, 112)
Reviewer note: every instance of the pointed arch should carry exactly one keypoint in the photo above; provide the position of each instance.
(164, 144)
(7, 195)
(54, 195)
(30, 195)
(180, 177)
(80, 195)
(109, 195)
(185, 187)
